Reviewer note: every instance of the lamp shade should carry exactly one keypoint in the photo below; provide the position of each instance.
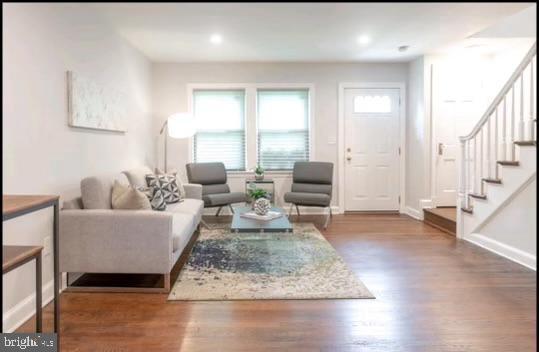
(181, 125)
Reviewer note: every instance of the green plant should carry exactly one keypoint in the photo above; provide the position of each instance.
(259, 170)
(257, 193)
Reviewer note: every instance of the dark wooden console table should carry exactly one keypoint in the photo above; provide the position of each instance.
(17, 205)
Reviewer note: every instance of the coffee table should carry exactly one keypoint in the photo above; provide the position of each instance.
(241, 224)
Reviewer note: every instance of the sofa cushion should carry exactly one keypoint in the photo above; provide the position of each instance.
(223, 198)
(302, 198)
(96, 192)
(182, 229)
(137, 176)
(193, 207)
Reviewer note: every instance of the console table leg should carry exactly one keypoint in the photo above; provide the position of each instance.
(56, 270)
(39, 315)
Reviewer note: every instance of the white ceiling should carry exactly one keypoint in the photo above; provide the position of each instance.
(307, 32)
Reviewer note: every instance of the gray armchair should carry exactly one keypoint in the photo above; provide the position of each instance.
(312, 186)
(215, 191)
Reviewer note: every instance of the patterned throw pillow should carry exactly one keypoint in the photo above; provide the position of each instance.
(155, 195)
(179, 183)
(168, 186)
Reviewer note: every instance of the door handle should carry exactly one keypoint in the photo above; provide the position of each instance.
(440, 148)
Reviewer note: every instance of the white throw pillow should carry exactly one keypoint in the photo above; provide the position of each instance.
(127, 197)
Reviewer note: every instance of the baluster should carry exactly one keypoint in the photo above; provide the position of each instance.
(475, 158)
(488, 146)
(481, 161)
(496, 144)
(467, 183)
(521, 122)
(504, 131)
(462, 180)
(513, 147)
(531, 123)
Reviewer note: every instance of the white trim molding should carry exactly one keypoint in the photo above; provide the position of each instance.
(26, 308)
(402, 136)
(518, 256)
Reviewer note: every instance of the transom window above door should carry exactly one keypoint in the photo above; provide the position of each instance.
(250, 125)
(372, 104)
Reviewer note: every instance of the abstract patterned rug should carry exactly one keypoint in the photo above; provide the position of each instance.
(302, 265)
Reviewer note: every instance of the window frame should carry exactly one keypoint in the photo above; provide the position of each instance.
(251, 118)
(309, 122)
(192, 139)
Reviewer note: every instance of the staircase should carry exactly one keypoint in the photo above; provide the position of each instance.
(498, 158)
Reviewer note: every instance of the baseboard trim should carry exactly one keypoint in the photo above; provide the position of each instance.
(414, 213)
(511, 253)
(25, 309)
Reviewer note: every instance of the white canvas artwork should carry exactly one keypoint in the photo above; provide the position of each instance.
(94, 106)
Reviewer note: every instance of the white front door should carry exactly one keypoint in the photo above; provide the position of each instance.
(372, 154)
(455, 107)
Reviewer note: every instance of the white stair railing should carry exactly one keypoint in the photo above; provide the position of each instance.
(497, 130)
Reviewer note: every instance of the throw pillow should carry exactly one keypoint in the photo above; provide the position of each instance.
(158, 199)
(179, 182)
(168, 186)
(126, 197)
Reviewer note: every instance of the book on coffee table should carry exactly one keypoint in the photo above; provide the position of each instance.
(269, 216)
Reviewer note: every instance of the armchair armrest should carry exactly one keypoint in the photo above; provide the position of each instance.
(115, 241)
(193, 190)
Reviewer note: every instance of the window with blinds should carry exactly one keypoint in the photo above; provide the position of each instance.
(220, 121)
(283, 128)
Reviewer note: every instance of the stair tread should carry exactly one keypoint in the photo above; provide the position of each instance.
(493, 180)
(478, 195)
(526, 143)
(468, 210)
(508, 163)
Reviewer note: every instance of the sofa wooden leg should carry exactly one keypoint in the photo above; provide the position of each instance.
(218, 211)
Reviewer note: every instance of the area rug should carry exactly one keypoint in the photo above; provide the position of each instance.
(246, 266)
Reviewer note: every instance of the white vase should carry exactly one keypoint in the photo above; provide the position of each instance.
(262, 206)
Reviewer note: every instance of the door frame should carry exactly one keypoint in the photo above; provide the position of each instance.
(402, 136)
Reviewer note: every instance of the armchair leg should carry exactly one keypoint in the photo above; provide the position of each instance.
(297, 209)
(218, 211)
(231, 209)
(328, 217)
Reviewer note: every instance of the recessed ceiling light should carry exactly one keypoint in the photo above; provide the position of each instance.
(403, 47)
(216, 39)
(363, 39)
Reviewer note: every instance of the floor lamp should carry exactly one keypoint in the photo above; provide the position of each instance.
(178, 126)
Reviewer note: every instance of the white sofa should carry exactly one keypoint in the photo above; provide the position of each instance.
(94, 238)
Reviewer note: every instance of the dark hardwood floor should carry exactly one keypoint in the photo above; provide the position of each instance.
(433, 293)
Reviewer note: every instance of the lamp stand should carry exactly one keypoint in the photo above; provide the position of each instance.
(164, 128)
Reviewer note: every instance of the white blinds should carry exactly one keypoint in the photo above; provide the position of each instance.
(283, 128)
(220, 121)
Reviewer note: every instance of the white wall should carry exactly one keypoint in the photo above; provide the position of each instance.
(169, 95)
(42, 155)
(513, 231)
(416, 137)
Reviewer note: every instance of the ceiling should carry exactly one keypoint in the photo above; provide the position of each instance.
(301, 32)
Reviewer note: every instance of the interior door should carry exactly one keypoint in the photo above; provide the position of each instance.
(372, 154)
(455, 108)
